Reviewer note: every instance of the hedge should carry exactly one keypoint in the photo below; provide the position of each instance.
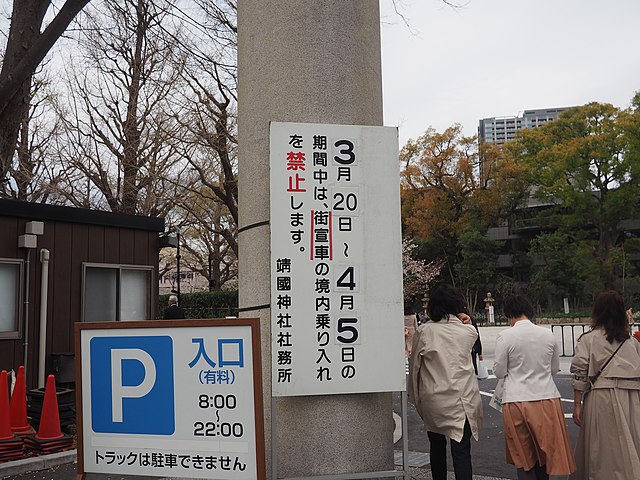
(218, 304)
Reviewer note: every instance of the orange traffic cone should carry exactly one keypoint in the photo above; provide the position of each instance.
(11, 446)
(49, 438)
(50, 418)
(5, 417)
(19, 423)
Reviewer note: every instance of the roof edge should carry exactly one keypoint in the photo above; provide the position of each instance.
(44, 211)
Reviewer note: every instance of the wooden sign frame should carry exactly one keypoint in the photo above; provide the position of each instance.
(253, 323)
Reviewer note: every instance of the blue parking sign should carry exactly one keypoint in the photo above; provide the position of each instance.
(132, 385)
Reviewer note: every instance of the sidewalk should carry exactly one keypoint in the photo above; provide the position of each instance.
(12, 469)
(425, 474)
(33, 464)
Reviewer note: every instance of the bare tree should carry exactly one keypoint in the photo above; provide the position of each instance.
(210, 149)
(27, 46)
(120, 134)
(32, 175)
(208, 106)
(209, 254)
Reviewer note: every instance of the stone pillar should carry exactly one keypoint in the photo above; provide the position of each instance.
(314, 62)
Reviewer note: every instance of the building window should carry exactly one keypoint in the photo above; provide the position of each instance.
(10, 297)
(116, 292)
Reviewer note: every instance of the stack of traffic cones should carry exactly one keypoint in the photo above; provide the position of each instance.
(19, 423)
(11, 446)
(49, 438)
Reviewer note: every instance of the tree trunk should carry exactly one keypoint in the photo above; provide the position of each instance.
(605, 242)
(130, 162)
(26, 20)
(23, 174)
(26, 48)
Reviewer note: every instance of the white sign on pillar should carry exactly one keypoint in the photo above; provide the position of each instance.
(336, 260)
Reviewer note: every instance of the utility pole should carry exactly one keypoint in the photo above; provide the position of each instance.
(305, 62)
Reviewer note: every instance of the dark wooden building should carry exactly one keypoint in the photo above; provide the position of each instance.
(99, 266)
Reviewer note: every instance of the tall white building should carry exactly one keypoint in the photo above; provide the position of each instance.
(499, 130)
(503, 129)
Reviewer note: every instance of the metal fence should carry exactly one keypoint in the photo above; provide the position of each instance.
(210, 312)
(482, 320)
(570, 332)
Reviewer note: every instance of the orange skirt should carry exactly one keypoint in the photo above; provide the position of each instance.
(535, 432)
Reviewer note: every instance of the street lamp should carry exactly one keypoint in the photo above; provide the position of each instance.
(624, 264)
(627, 236)
(173, 240)
(178, 262)
(210, 273)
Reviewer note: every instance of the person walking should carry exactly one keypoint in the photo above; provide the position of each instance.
(443, 385)
(526, 357)
(476, 351)
(173, 311)
(606, 384)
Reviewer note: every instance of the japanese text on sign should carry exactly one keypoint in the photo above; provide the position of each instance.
(169, 401)
(328, 314)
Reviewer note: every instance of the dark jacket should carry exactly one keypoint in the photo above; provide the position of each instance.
(173, 312)
(477, 348)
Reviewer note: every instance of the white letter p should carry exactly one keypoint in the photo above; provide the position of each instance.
(120, 391)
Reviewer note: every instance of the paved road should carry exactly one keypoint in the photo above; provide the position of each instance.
(489, 452)
(68, 472)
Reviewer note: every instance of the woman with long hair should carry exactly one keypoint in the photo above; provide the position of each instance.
(606, 385)
(443, 384)
(526, 357)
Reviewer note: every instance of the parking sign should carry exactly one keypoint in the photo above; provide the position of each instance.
(170, 399)
(135, 393)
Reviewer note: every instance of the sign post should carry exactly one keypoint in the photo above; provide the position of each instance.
(319, 63)
(170, 399)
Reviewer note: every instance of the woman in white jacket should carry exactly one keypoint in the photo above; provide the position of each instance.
(443, 384)
(526, 356)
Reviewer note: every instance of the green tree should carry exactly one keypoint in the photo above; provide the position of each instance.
(562, 268)
(477, 266)
(581, 163)
(630, 122)
(443, 192)
(629, 261)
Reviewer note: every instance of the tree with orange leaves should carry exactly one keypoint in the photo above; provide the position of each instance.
(442, 192)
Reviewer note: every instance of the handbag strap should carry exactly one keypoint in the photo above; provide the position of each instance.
(597, 375)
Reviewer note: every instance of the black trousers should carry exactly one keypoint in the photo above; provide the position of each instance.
(474, 360)
(460, 452)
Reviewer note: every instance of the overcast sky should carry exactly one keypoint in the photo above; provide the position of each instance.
(496, 58)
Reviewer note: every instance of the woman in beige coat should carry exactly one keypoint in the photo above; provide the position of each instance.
(609, 415)
(443, 384)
